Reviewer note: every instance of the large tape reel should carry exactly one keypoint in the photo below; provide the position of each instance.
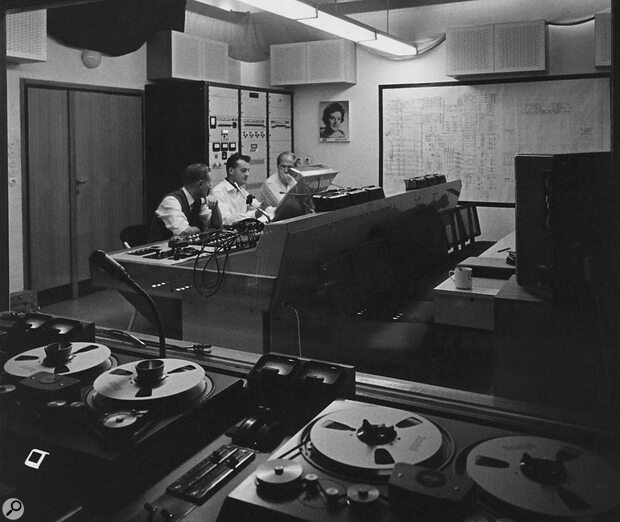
(80, 357)
(373, 438)
(544, 476)
(122, 383)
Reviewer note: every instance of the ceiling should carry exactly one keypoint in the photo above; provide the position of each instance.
(417, 21)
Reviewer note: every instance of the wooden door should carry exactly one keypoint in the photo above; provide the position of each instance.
(106, 134)
(47, 205)
(84, 179)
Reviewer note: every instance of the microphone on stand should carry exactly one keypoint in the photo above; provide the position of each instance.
(102, 260)
(248, 201)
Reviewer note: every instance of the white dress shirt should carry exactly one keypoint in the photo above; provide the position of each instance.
(272, 190)
(232, 202)
(170, 212)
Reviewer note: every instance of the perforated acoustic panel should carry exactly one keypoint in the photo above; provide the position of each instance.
(602, 40)
(498, 48)
(26, 36)
(331, 61)
(323, 61)
(171, 54)
(469, 50)
(288, 64)
(520, 46)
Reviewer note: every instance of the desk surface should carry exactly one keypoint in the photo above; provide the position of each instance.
(480, 286)
(498, 249)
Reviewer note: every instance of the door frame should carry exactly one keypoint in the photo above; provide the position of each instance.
(25, 84)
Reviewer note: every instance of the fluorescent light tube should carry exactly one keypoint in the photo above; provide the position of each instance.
(338, 27)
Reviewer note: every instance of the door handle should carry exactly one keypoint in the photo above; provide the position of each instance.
(81, 181)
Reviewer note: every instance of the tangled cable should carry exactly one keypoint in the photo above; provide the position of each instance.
(218, 244)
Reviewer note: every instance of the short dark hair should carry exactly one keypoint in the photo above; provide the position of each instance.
(194, 173)
(231, 162)
(332, 107)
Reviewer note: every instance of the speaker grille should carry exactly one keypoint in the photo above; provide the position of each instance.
(288, 64)
(602, 40)
(26, 36)
(171, 54)
(469, 50)
(520, 46)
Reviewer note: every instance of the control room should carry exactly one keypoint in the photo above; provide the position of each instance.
(309, 260)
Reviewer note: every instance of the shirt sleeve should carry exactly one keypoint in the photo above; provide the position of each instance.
(169, 211)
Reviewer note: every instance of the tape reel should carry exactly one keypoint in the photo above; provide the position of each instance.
(80, 357)
(122, 383)
(544, 476)
(374, 439)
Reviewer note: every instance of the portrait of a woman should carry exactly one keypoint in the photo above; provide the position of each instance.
(333, 120)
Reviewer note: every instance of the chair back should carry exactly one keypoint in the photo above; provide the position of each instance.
(134, 235)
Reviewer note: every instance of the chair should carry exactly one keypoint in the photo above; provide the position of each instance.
(134, 235)
(469, 226)
(461, 228)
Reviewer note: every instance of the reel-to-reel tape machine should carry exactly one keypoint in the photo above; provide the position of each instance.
(358, 461)
(95, 418)
(102, 428)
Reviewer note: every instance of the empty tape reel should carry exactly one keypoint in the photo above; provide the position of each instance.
(123, 383)
(544, 476)
(61, 358)
(373, 439)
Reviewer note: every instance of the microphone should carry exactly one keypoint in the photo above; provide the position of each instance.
(102, 260)
(248, 201)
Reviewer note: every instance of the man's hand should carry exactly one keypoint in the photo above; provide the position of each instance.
(211, 202)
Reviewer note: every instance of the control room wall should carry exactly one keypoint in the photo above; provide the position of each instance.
(571, 51)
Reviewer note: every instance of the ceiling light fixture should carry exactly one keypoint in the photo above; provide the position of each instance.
(340, 26)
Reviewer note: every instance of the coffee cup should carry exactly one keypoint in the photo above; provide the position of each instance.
(461, 276)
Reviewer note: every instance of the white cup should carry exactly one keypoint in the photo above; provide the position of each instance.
(461, 276)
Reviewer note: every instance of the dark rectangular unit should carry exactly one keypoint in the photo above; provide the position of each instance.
(176, 135)
(565, 224)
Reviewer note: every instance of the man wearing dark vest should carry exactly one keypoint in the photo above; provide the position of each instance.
(188, 210)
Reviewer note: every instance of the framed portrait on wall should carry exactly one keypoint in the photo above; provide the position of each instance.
(334, 121)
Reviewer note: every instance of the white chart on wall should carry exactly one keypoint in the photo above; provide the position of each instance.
(472, 132)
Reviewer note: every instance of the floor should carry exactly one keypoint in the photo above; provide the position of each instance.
(106, 308)
(456, 364)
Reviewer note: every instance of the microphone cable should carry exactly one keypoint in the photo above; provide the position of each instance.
(298, 327)
(222, 242)
(248, 201)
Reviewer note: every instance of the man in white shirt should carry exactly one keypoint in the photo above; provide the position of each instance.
(236, 203)
(188, 210)
(280, 182)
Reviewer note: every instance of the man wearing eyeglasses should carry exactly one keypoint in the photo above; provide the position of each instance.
(280, 182)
